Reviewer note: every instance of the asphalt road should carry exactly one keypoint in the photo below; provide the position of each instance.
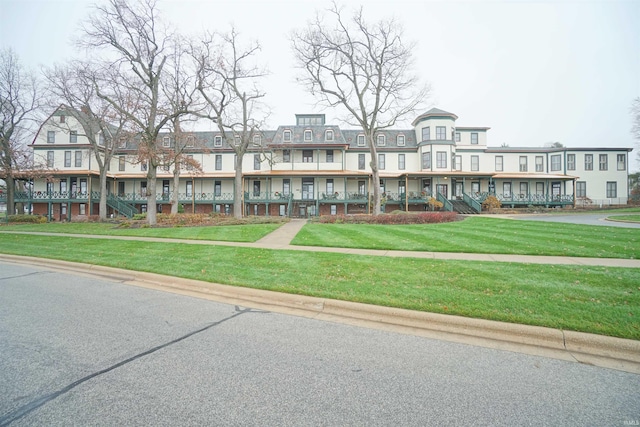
(76, 350)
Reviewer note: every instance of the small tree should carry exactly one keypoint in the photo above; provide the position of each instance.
(362, 67)
(228, 83)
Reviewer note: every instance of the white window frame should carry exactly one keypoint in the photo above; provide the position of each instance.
(499, 165)
(73, 136)
(400, 140)
(166, 142)
(556, 163)
(361, 140)
(67, 159)
(286, 135)
(191, 141)
(308, 135)
(217, 141)
(441, 133)
(621, 161)
(474, 138)
(426, 134)
(381, 140)
(51, 137)
(78, 159)
(475, 163)
(329, 135)
(401, 161)
(381, 161)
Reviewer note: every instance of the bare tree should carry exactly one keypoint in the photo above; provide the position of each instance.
(102, 125)
(635, 120)
(19, 103)
(179, 85)
(228, 83)
(142, 45)
(362, 67)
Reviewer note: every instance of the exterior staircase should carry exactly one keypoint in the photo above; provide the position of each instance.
(123, 207)
(462, 207)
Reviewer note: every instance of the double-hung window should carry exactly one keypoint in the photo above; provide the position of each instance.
(441, 159)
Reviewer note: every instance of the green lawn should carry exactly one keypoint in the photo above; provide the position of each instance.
(590, 299)
(480, 235)
(228, 233)
(630, 218)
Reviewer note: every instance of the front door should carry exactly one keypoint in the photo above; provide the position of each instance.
(307, 188)
(120, 188)
(443, 189)
(458, 189)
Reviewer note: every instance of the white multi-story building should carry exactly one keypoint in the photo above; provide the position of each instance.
(313, 168)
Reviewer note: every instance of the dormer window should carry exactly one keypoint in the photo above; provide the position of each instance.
(190, 141)
(308, 135)
(257, 140)
(400, 140)
(286, 136)
(166, 141)
(217, 141)
(361, 141)
(328, 135)
(122, 142)
(381, 140)
(62, 119)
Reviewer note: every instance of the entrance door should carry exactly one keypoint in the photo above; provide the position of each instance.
(120, 188)
(307, 188)
(555, 190)
(443, 189)
(458, 189)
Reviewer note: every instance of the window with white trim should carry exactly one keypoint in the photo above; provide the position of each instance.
(361, 162)
(400, 141)
(539, 164)
(78, 156)
(308, 136)
(191, 141)
(328, 135)
(499, 164)
(571, 162)
(588, 162)
(67, 159)
(51, 137)
(474, 138)
(603, 162)
(426, 160)
(361, 142)
(426, 134)
(612, 189)
(523, 164)
(621, 161)
(401, 161)
(218, 162)
(381, 140)
(381, 164)
(457, 136)
(166, 141)
(441, 133)
(441, 159)
(73, 136)
(581, 189)
(475, 163)
(286, 136)
(457, 162)
(556, 162)
(217, 141)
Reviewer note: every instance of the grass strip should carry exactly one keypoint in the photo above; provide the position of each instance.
(598, 300)
(224, 233)
(481, 235)
(630, 218)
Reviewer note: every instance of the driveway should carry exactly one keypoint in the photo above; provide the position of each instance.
(577, 218)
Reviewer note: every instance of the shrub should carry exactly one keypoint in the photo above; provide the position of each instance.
(138, 217)
(434, 204)
(34, 219)
(491, 202)
(385, 219)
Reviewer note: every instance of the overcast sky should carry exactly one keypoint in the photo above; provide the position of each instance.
(533, 71)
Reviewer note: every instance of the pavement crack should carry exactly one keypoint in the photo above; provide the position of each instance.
(35, 273)
(42, 400)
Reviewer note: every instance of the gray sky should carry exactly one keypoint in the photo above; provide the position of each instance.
(534, 71)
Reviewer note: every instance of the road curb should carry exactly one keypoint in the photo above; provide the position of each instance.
(609, 352)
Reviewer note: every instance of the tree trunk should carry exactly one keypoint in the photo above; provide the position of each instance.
(102, 208)
(152, 209)
(238, 197)
(176, 186)
(11, 194)
(375, 175)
